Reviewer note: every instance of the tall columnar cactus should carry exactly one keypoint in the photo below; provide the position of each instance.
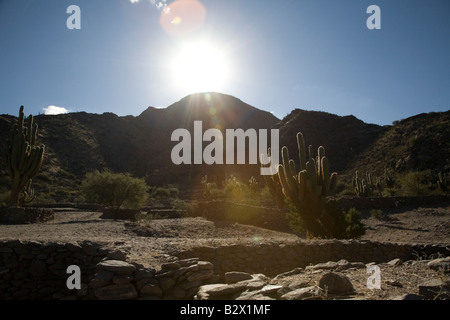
(274, 185)
(22, 157)
(308, 188)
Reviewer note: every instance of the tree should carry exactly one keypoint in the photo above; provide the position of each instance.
(114, 189)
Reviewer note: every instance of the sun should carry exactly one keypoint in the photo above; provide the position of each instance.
(200, 67)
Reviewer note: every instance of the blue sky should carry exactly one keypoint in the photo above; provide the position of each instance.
(279, 55)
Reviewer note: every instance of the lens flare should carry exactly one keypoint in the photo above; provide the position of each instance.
(182, 17)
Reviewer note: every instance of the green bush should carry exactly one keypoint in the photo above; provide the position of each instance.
(165, 193)
(416, 183)
(114, 189)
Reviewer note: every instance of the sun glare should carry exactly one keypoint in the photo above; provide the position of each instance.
(200, 67)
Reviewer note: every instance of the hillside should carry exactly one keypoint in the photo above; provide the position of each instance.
(81, 142)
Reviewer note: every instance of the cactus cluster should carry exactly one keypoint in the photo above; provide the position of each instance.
(366, 187)
(306, 189)
(22, 156)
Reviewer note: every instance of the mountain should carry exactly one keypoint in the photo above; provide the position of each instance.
(81, 142)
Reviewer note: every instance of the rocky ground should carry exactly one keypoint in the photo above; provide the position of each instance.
(155, 242)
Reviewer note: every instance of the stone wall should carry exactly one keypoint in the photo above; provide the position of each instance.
(273, 259)
(38, 271)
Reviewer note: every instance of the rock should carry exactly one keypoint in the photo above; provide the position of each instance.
(144, 274)
(235, 276)
(38, 268)
(289, 273)
(187, 262)
(117, 255)
(170, 266)
(101, 279)
(340, 265)
(166, 283)
(116, 292)
(408, 296)
(335, 283)
(174, 293)
(200, 275)
(440, 264)
(394, 262)
(209, 291)
(151, 290)
(185, 285)
(89, 248)
(293, 286)
(265, 291)
(122, 279)
(435, 289)
(205, 265)
(116, 266)
(312, 292)
(393, 283)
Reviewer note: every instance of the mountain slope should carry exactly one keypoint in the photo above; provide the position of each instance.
(81, 142)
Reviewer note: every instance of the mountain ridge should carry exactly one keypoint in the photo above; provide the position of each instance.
(81, 142)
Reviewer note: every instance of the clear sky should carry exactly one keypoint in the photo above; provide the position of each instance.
(274, 55)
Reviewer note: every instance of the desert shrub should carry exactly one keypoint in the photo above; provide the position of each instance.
(346, 225)
(416, 183)
(165, 193)
(114, 189)
(354, 228)
(377, 214)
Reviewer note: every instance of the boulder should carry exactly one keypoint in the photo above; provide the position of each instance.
(336, 283)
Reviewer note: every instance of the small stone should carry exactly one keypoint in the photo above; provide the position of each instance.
(235, 276)
(394, 262)
(393, 283)
(116, 266)
(336, 283)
